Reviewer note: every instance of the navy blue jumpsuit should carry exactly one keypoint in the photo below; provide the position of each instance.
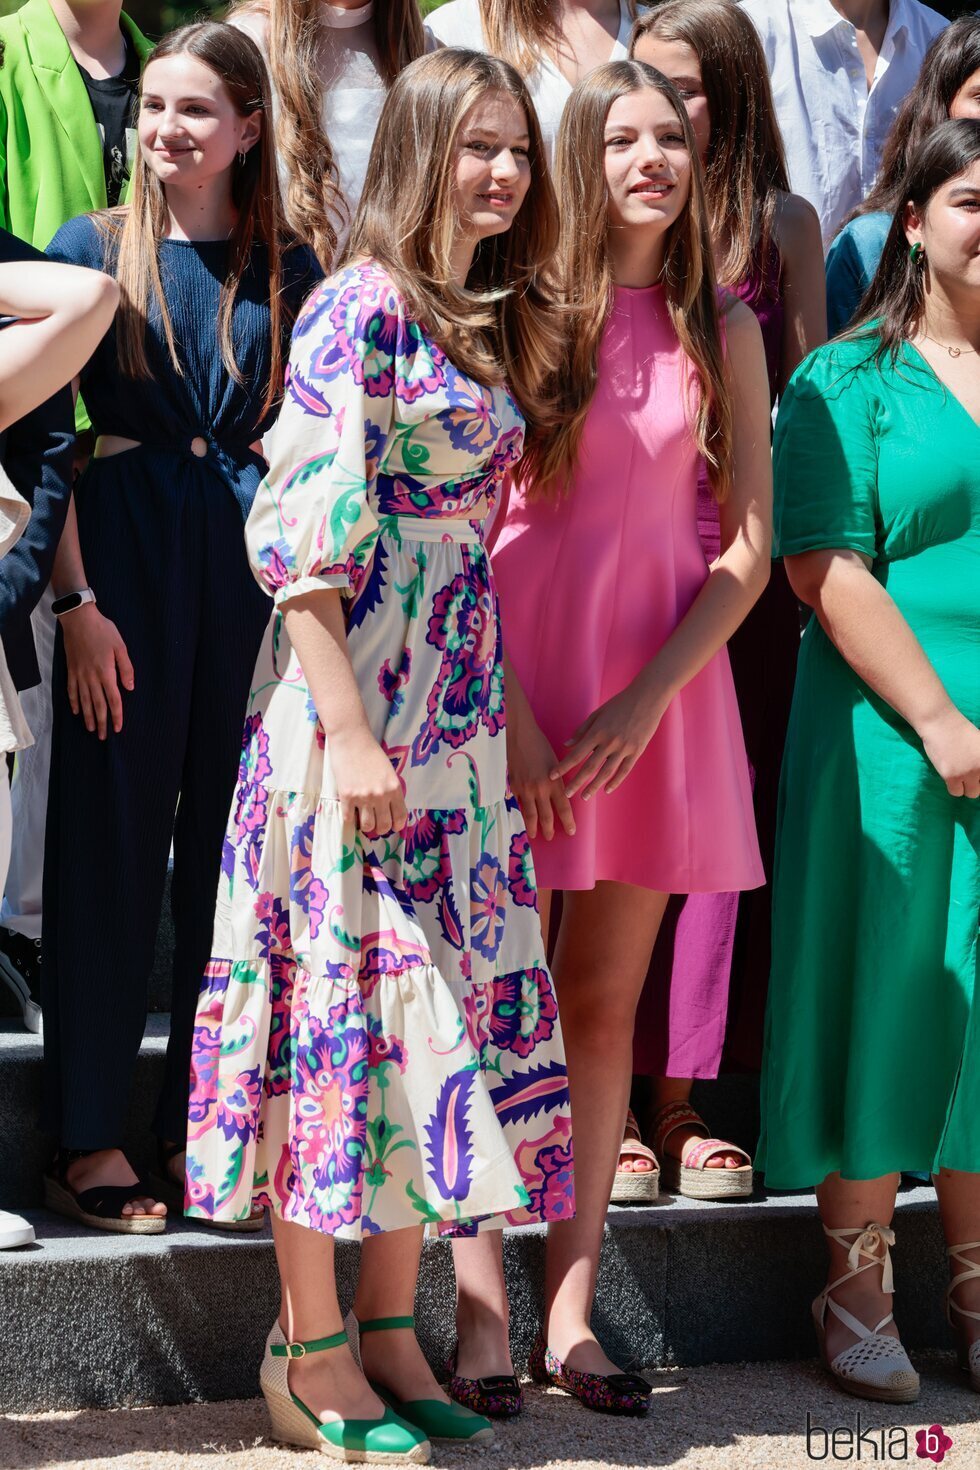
(161, 531)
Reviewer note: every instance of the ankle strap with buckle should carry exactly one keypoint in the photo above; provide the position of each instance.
(385, 1324)
(301, 1349)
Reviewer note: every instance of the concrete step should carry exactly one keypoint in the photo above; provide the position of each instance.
(730, 1104)
(93, 1320)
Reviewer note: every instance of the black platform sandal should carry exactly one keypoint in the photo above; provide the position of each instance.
(101, 1205)
(166, 1187)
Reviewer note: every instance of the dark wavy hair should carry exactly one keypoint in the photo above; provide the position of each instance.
(950, 61)
(892, 307)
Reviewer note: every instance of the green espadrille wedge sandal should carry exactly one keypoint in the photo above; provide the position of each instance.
(445, 1423)
(385, 1441)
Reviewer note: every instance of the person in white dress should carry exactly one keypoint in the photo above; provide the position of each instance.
(553, 45)
(330, 66)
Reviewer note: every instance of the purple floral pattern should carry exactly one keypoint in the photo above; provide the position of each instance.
(377, 1041)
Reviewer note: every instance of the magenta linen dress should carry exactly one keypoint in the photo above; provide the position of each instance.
(591, 584)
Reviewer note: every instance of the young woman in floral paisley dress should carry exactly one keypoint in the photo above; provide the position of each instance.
(377, 1041)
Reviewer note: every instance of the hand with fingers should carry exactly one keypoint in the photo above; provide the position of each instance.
(369, 790)
(98, 665)
(530, 761)
(604, 749)
(952, 745)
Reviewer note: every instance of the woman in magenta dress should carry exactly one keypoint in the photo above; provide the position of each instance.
(615, 630)
(706, 989)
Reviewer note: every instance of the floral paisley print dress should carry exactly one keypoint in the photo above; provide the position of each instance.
(377, 1041)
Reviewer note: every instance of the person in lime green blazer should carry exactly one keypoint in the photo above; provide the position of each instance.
(51, 149)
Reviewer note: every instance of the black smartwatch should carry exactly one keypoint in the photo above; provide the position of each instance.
(71, 600)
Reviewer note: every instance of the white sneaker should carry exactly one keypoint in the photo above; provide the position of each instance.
(14, 1231)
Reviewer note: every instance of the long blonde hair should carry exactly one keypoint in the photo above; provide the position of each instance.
(137, 228)
(501, 325)
(745, 165)
(586, 284)
(522, 31)
(314, 203)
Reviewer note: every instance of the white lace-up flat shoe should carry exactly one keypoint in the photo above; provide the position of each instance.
(876, 1366)
(14, 1231)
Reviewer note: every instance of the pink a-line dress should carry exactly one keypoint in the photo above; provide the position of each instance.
(592, 582)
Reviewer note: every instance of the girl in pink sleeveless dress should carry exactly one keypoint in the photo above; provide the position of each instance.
(625, 745)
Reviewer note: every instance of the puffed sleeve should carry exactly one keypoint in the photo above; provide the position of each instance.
(825, 454)
(312, 525)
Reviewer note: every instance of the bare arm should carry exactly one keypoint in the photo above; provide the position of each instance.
(64, 311)
(367, 785)
(609, 743)
(868, 630)
(804, 283)
(97, 658)
(530, 762)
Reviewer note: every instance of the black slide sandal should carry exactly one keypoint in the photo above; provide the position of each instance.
(100, 1206)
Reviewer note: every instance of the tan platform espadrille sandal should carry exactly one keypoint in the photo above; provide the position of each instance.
(876, 1366)
(690, 1176)
(632, 1187)
(968, 1357)
(384, 1441)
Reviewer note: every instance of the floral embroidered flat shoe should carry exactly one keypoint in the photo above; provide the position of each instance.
(968, 1356)
(498, 1397)
(690, 1175)
(385, 1441)
(607, 1393)
(876, 1366)
(452, 1423)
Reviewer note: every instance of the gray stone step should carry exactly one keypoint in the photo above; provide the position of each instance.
(730, 1104)
(100, 1320)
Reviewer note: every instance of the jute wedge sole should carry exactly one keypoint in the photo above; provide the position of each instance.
(706, 1183)
(635, 1189)
(385, 1441)
(292, 1425)
(58, 1197)
(173, 1197)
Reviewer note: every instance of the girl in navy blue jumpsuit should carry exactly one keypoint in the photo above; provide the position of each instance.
(151, 681)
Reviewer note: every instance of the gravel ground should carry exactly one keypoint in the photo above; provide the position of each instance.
(723, 1417)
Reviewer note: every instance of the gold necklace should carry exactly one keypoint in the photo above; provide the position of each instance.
(953, 351)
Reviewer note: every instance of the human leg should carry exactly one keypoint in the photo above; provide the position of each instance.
(853, 1313)
(959, 1207)
(600, 962)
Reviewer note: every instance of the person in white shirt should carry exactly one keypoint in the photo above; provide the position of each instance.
(840, 70)
(330, 70)
(552, 45)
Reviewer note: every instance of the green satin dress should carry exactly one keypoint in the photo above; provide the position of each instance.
(872, 1050)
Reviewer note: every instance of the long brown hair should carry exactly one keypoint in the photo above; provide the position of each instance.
(139, 226)
(314, 203)
(893, 306)
(501, 324)
(522, 31)
(950, 61)
(586, 282)
(745, 165)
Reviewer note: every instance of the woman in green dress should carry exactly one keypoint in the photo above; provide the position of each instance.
(872, 1062)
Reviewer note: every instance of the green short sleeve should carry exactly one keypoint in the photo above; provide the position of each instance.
(825, 455)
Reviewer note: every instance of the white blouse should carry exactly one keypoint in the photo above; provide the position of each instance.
(352, 85)
(460, 24)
